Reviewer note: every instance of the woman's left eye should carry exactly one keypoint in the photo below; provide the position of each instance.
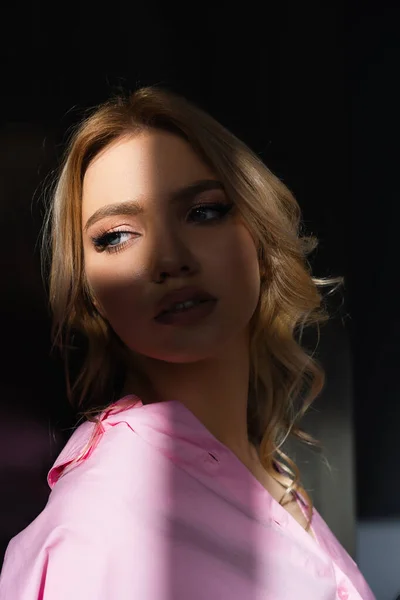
(221, 209)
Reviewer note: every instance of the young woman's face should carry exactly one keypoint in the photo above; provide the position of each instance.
(192, 241)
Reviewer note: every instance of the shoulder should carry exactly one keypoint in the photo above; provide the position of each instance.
(88, 442)
(94, 468)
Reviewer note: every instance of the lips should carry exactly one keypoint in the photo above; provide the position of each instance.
(182, 295)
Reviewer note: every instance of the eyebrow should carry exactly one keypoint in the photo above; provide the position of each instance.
(135, 207)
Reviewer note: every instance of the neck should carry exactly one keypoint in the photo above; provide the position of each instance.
(215, 390)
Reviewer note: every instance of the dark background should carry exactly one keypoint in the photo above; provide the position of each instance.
(313, 89)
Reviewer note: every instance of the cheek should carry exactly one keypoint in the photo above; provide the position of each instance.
(116, 290)
(239, 275)
(242, 261)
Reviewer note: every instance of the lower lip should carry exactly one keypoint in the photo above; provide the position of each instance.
(188, 316)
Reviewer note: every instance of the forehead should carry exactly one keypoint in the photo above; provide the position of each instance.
(148, 165)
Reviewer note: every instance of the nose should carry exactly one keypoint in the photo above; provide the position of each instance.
(170, 256)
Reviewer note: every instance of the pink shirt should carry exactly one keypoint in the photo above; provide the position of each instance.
(158, 509)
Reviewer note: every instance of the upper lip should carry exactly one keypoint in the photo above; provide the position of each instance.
(181, 295)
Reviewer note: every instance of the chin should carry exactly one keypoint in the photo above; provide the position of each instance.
(187, 346)
(188, 353)
(182, 357)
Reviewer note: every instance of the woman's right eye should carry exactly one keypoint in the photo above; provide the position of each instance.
(110, 242)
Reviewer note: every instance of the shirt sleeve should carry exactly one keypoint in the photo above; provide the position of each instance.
(74, 549)
(69, 565)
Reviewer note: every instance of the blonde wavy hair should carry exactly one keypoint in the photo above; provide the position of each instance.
(284, 378)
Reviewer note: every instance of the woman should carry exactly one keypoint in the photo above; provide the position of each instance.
(178, 256)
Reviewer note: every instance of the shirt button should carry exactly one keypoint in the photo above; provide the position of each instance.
(343, 593)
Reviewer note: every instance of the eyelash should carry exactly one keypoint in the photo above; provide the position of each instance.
(101, 241)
